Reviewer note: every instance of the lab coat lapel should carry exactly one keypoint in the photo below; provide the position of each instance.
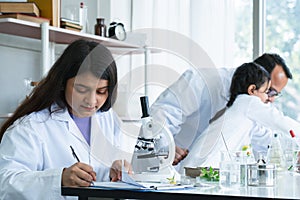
(65, 116)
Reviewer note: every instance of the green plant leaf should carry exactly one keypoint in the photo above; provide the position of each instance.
(209, 174)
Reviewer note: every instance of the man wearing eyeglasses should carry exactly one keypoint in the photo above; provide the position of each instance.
(279, 72)
(188, 105)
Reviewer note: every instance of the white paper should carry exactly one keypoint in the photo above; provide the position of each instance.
(126, 178)
(140, 186)
(116, 185)
(128, 182)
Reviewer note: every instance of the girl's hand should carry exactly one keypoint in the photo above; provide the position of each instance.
(79, 174)
(116, 170)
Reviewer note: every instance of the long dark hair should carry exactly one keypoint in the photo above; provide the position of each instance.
(244, 76)
(79, 57)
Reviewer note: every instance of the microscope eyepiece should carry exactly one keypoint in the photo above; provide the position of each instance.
(145, 106)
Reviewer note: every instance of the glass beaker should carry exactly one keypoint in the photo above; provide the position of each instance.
(230, 175)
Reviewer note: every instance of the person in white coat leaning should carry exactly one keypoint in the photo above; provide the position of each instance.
(187, 106)
(54, 137)
(247, 108)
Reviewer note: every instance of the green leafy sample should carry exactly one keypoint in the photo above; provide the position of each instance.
(210, 174)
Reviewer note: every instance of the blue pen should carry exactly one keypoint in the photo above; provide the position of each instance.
(74, 154)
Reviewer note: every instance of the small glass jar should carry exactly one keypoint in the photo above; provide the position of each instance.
(100, 27)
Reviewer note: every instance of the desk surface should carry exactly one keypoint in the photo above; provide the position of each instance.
(287, 187)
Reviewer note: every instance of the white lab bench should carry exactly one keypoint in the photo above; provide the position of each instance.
(287, 187)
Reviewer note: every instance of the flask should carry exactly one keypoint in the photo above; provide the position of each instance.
(275, 153)
(296, 141)
(100, 27)
(294, 153)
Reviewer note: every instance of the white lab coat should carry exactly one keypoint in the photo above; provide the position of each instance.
(186, 107)
(34, 151)
(237, 124)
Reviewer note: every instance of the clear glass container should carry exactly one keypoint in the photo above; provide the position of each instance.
(275, 153)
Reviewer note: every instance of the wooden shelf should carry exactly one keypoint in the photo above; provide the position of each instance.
(20, 28)
(58, 35)
(5, 116)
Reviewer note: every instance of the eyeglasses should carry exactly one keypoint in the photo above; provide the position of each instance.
(273, 93)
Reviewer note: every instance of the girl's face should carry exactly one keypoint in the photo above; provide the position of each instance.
(262, 92)
(85, 94)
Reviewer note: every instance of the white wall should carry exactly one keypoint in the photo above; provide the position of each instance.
(19, 59)
(17, 63)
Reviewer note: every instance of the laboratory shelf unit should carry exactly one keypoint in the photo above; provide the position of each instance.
(49, 35)
(58, 35)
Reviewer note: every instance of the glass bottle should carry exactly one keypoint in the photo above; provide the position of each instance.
(83, 19)
(275, 153)
(100, 27)
(293, 153)
(295, 140)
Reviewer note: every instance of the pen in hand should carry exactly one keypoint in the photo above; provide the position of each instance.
(74, 154)
(92, 173)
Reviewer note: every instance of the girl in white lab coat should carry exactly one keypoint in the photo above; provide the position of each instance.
(247, 107)
(70, 107)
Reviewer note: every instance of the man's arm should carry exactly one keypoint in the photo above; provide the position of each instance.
(178, 101)
(175, 104)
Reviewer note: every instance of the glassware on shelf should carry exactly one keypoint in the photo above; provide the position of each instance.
(83, 18)
(72, 12)
(100, 27)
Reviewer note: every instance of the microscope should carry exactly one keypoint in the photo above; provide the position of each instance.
(154, 151)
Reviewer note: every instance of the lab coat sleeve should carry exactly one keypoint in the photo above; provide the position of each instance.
(261, 138)
(269, 116)
(21, 168)
(178, 101)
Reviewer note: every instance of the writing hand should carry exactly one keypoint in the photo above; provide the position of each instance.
(79, 174)
(116, 170)
(180, 154)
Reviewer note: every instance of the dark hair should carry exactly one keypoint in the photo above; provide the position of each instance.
(79, 57)
(269, 60)
(244, 76)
